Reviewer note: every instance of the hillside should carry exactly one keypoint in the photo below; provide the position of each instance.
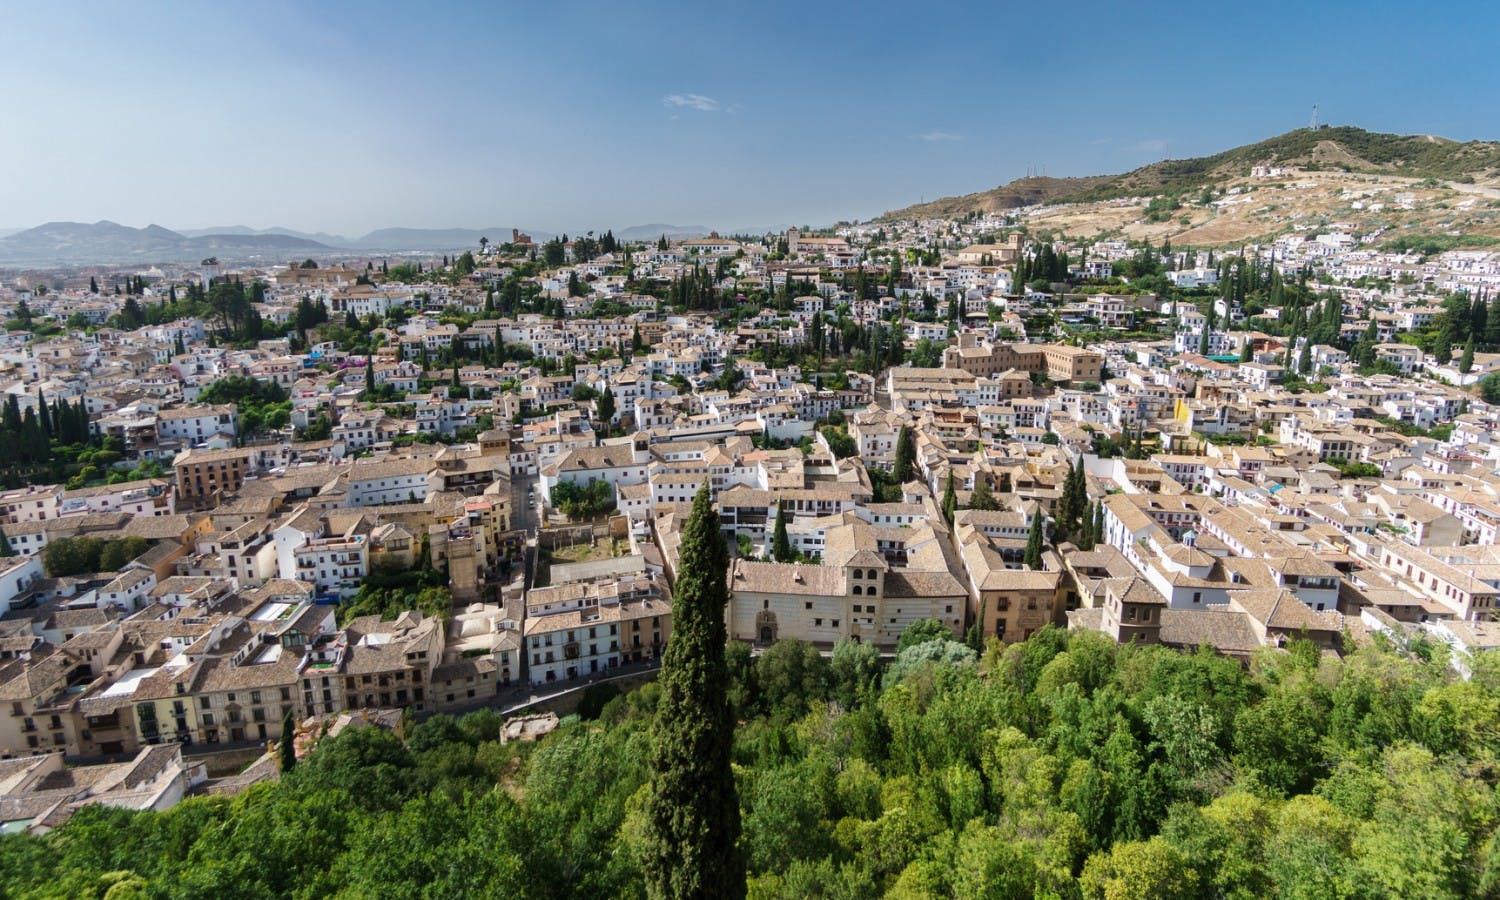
(1021, 192)
(1405, 187)
(1337, 149)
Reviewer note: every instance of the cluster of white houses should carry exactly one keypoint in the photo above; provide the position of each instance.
(1265, 515)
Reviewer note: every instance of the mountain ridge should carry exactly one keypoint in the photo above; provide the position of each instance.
(80, 243)
(1344, 147)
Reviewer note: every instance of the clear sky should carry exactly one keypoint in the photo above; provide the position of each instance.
(562, 116)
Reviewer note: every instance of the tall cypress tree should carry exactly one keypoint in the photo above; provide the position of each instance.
(1492, 324)
(950, 499)
(692, 811)
(5, 548)
(44, 414)
(1033, 556)
(781, 545)
(287, 746)
(906, 455)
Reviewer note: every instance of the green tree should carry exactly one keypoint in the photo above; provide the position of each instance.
(5, 547)
(1032, 558)
(1466, 362)
(1442, 349)
(692, 816)
(781, 545)
(287, 746)
(605, 407)
(950, 498)
(906, 455)
(921, 631)
(839, 441)
(791, 676)
(983, 497)
(1149, 870)
(1489, 388)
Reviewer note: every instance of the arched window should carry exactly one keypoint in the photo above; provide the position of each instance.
(858, 590)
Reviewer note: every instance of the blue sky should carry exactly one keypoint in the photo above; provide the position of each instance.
(352, 116)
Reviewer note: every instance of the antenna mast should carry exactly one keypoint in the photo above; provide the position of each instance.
(1314, 125)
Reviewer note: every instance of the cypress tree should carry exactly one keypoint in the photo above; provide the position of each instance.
(44, 414)
(1080, 508)
(1492, 324)
(287, 746)
(1033, 556)
(974, 637)
(1466, 362)
(1442, 349)
(370, 375)
(692, 812)
(5, 547)
(950, 499)
(781, 545)
(906, 455)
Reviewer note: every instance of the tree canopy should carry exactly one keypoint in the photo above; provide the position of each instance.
(1064, 766)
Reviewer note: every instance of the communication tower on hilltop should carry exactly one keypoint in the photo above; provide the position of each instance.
(1313, 126)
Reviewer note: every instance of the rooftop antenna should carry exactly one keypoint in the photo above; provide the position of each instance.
(1314, 125)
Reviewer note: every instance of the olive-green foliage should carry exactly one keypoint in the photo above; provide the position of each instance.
(1065, 767)
(85, 555)
(388, 594)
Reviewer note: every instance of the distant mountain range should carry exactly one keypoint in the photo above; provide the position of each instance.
(77, 243)
(652, 232)
(100, 243)
(1342, 148)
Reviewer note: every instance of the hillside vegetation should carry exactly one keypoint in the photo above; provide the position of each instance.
(1021, 192)
(1064, 767)
(1343, 148)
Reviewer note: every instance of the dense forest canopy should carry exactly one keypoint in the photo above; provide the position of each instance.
(1063, 767)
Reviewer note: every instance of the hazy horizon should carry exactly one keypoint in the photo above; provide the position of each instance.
(349, 118)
